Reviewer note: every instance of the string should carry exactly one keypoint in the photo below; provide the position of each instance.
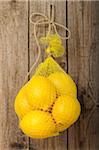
(51, 24)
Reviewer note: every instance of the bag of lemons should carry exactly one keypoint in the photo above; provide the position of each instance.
(48, 104)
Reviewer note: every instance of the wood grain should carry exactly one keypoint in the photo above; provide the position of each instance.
(36, 6)
(54, 143)
(81, 65)
(13, 66)
(18, 51)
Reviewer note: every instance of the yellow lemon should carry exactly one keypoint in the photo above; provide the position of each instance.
(64, 84)
(41, 92)
(21, 104)
(60, 127)
(38, 124)
(66, 111)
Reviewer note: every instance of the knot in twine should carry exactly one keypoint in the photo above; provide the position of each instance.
(52, 24)
(49, 21)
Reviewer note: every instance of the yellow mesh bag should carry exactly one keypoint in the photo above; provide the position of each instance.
(53, 71)
(55, 47)
(48, 67)
(47, 104)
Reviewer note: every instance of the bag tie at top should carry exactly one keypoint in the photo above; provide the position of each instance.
(51, 24)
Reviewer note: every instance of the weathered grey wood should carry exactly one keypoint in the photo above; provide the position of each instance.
(54, 143)
(13, 67)
(18, 52)
(82, 65)
(36, 6)
(60, 17)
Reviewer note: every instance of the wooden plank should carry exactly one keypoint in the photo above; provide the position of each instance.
(36, 6)
(13, 67)
(54, 143)
(82, 65)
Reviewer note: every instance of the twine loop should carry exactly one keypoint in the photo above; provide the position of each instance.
(49, 21)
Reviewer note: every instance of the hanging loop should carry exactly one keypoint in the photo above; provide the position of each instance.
(50, 21)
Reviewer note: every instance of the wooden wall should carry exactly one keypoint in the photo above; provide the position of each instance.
(81, 61)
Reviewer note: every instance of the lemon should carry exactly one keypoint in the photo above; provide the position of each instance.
(38, 124)
(21, 103)
(41, 92)
(66, 111)
(60, 127)
(64, 84)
